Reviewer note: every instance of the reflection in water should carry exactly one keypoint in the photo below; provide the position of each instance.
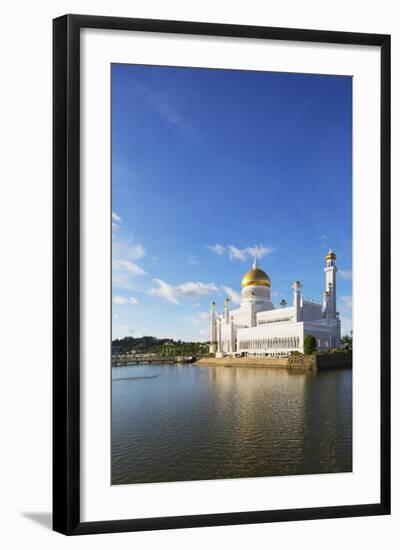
(192, 422)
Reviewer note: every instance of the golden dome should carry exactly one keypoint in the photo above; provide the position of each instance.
(256, 276)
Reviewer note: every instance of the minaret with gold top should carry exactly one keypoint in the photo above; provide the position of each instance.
(330, 284)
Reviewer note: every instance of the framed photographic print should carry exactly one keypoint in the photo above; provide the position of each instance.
(221, 235)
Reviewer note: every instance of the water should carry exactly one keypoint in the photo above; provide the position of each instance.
(173, 423)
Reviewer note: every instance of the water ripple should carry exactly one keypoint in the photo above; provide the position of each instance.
(209, 423)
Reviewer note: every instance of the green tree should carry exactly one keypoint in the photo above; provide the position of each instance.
(310, 344)
(347, 341)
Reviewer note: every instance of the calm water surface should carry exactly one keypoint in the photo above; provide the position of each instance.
(173, 423)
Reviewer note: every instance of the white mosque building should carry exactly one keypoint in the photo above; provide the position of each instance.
(257, 328)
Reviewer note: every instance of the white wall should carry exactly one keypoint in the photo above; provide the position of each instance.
(311, 311)
(26, 271)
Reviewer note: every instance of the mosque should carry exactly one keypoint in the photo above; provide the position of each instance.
(257, 328)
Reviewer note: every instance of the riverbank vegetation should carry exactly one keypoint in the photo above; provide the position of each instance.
(161, 346)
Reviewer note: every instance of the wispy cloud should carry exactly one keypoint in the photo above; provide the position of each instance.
(193, 260)
(235, 253)
(173, 293)
(125, 256)
(345, 274)
(241, 254)
(127, 265)
(126, 249)
(204, 315)
(200, 318)
(347, 301)
(162, 104)
(216, 248)
(250, 252)
(121, 300)
(232, 294)
(116, 220)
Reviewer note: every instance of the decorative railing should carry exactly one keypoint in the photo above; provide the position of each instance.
(312, 301)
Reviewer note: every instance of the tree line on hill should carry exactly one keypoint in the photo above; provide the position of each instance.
(163, 346)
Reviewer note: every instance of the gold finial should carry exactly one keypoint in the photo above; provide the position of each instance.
(330, 256)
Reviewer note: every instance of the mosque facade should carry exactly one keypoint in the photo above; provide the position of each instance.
(256, 327)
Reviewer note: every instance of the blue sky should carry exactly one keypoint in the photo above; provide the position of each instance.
(211, 166)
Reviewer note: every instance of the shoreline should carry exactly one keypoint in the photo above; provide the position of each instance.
(339, 360)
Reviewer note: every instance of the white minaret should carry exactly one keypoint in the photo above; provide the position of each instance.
(213, 328)
(219, 339)
(330, 282)
(226, 310)
(326, 304)
(297, 300)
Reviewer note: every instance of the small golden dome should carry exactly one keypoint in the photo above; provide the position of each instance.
(330, 256)
(256, 276)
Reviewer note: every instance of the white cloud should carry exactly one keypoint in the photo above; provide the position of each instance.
(193, 260)
(127, 265)
(345, 274)
(116, 218)
(241, 254)
(172, 293)
(217, 249)
(125, 254)
(259, 250)
(348, 301)
(197, 289)
(121, 300)
(164, 290)
(203, 315)
(125, 249)
(232, 294)
(237, 253)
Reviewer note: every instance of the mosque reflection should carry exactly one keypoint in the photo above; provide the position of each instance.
(227, 422)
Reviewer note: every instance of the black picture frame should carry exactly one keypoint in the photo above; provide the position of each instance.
(66, 273)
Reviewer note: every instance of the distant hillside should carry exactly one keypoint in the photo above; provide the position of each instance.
(151, 344)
